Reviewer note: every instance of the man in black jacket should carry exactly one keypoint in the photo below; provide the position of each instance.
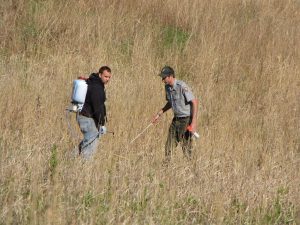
(93, 114)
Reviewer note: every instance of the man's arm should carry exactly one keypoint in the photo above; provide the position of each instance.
(97, 104)
(164, 109)
(193, 125)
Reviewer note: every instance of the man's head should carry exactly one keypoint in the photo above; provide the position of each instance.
(105, 74)
(167, 71)
(167, 75)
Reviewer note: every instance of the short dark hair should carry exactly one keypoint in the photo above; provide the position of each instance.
(103, 68)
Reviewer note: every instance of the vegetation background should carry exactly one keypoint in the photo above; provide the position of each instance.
(241, 58)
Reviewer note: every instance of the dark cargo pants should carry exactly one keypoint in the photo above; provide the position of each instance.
(178, 133)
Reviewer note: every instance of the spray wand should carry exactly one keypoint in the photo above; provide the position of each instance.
(140, 133)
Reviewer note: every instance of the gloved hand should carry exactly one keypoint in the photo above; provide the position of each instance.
(103, 130)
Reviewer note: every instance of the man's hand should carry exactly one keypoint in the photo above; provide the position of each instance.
(103, 130)
(156, 117)
(191, 128)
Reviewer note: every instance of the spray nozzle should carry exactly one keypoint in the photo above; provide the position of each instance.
(103, 130)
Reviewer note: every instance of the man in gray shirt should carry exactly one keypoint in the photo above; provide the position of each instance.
(185, 107)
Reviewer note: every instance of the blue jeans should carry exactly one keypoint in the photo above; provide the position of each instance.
(89, 144)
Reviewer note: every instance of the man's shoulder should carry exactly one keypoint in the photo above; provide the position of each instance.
(183, 87)
(181, 83)
(94, 81)
(94, 78)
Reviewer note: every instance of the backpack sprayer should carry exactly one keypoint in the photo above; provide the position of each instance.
(79, 91)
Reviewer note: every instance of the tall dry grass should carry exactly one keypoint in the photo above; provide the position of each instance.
(240, 57)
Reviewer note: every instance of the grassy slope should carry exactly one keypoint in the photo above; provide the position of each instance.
(240, 58)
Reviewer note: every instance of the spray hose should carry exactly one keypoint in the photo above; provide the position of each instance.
(70, 128)
(102, 130)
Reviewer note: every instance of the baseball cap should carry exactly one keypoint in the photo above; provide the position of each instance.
(166, 71)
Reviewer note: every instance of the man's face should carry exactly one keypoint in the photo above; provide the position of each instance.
(105, 76)
(166, 80)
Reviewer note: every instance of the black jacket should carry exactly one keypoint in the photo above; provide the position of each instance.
(94, 106)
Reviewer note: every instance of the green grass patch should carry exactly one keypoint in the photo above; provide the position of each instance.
(281, 212)
(53, 162)
(174, 37)
(126, 47)
(88, 200)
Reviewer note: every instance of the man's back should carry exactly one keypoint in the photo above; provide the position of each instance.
(94, 106)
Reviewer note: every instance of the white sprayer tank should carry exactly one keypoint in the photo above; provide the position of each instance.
(79, 92)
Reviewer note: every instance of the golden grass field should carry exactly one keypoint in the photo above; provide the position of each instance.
(241, 59)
